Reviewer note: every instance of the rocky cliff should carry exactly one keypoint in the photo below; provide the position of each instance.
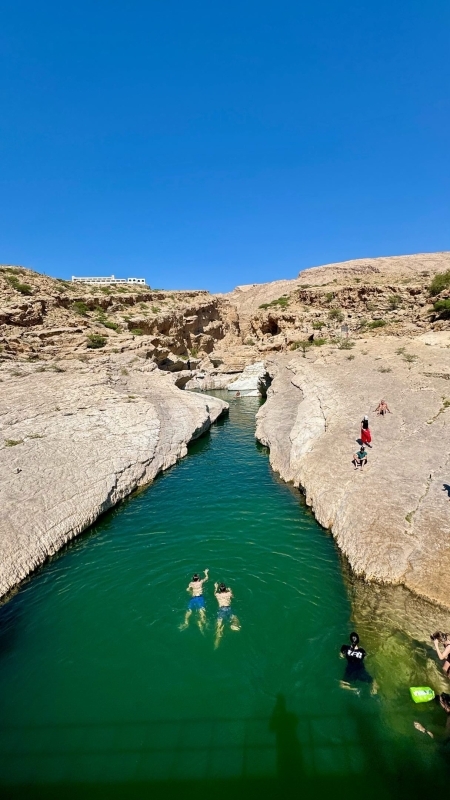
(76, 440)
(391, 520)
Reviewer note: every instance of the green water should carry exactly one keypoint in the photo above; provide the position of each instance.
(103, 696)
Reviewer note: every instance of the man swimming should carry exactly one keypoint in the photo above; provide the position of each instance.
(197, 601)
(355, 669)
(224, 596)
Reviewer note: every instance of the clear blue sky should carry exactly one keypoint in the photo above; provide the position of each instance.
(204, 143)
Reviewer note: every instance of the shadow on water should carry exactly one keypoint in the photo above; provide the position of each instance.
(285, 756)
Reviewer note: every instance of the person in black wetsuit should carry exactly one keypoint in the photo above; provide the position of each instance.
(355, 669)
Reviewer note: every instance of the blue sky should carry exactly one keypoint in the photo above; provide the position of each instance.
(207, 144)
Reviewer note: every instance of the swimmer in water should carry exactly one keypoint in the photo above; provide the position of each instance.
(197, 601)
(224, 596)
(355, 669)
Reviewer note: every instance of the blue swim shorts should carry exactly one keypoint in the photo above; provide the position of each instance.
(195, 603)
(224, 613)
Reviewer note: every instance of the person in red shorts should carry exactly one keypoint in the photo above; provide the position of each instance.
(366, 436)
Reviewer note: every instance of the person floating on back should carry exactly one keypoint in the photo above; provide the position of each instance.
(355, 669)
(366, 436)
(224, 596)
(382, 408)
(197, 601)
(360, 458)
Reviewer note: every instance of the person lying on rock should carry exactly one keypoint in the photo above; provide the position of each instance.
(197, 601)
(360, 458)
(224, 596)
(355, 669)
(366, 436)
(382, 408)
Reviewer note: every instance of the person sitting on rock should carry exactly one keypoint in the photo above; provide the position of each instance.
(382, 408)
(360, 458)
(366, 436)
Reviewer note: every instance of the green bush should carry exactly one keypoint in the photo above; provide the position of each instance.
(13, 442)
(23, 288)
(346, 344)
(112, 325)
(319, 342)
(94, 341)
(409, 357)
(443, 307)
(377, 323)
(336, 314)
(329, 297)
(137, 331)
(394, 301)
(317, 326)
(302, 344)
(80, 308)
(440, 281)
(283, 302)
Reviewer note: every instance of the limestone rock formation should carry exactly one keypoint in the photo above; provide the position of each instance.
(76, 440)
(391, 520)
(252, 381)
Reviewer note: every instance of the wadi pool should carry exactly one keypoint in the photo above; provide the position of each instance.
(103, 696)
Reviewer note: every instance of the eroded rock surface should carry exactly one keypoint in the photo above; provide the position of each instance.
(392, 520)
(74, 442)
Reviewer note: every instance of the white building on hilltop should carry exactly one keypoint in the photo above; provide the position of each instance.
(108, 281)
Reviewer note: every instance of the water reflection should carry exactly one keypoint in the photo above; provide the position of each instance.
(283, 724)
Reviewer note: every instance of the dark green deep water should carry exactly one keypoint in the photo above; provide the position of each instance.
(102, 695)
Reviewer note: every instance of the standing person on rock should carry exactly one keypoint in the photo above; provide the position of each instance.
(197, 601)
(366, 436)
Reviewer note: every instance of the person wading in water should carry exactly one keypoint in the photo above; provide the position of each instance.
(197, 601)
(224, 596)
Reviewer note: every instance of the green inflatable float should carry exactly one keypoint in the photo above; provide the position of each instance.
(421, 694)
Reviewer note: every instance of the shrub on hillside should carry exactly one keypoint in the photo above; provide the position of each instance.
(443, 307)
(336, 314)
(94, 341)
(80, 308)
(440, 281)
